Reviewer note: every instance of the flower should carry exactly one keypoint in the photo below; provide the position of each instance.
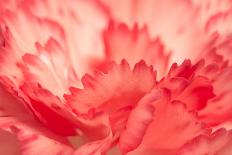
(100, 77)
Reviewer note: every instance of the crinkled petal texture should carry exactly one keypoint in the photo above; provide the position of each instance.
(76, 77)
(63, 21)
(113, 93)
(161, 135)
(160, 18)
(25, 134)
(217, 143)
(189, 93)
(119, 87)
(134, 45)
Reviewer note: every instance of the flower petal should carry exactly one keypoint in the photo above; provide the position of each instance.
(9, 56)
(220, 23)
(170, 119)
(50, 110)
(160, 19)
(9, 143)
(50, 68)
(134, 45)
(217, 143)
(21, 19)
(96, 148)
(218, 110)
(99, 91)
(139, 120)
(187, 86)
(82, 23)
(209, 11)
(32, 137)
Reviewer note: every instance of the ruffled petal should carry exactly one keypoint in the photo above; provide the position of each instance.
(9, 56)
(21, 19)
(82, 23)
(134, 45)
(211, 12)
(120, 87)
(61, 21)
(50, 110)
(170, 119)
(114, 93)
(34, 139)
(218, 70)
(220, 23)
(202, 88)
(218, 110)
(197, 93)
(218, 142)
(187, 86)
(139, 120)
(31, 136)
(160, 19)
(50, 68)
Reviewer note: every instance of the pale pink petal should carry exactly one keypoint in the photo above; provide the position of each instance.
(162, 19)
(82, 22)
(210, 11)
(9, 56)
(221, 23)
(50, 68)
(26, 28)
(133, 45)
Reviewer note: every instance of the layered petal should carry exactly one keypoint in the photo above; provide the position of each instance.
(118, 88)
(211, 13)
(160, 19)
(162, 133)
(61, 21)
(138, 122)
(34, 141)
(50, 68)
(221, 23)
(25, 28)
(114, 93)
(187, 86)
(9, 56)
(218, 142)
(97, 147)
(49, 109)
(46, 46)
(134, 45)
(218, 110)
(27, 135)
(82, 23)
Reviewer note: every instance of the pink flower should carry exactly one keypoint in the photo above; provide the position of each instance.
(99, 77)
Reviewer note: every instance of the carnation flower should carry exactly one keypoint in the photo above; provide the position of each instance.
(110, 77)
